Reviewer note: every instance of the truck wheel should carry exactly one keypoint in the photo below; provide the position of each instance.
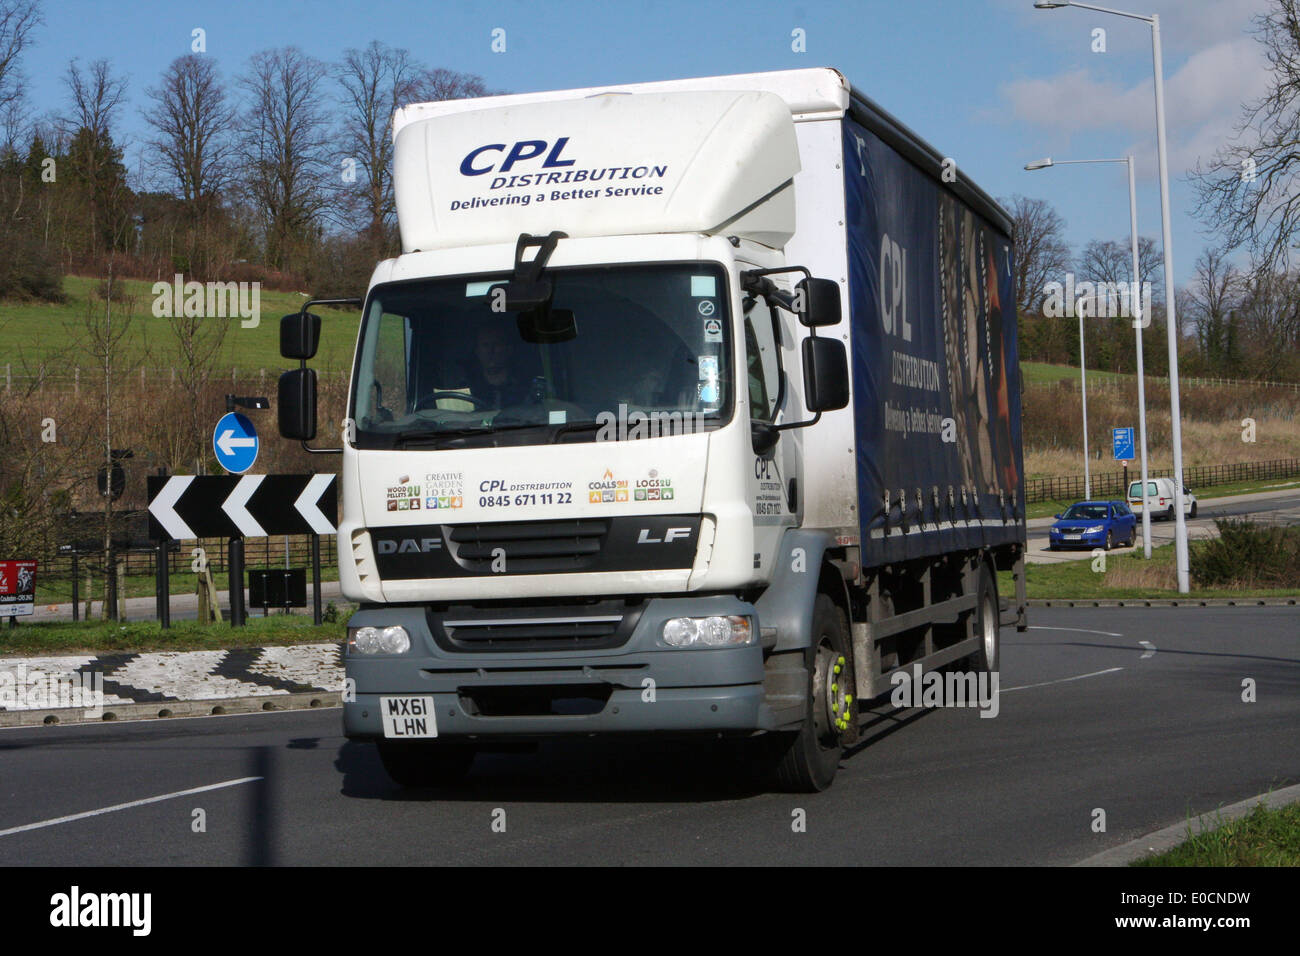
(986, 657)
(806, 761)
(424, 763)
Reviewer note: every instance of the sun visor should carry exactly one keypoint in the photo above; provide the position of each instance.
(607, 165)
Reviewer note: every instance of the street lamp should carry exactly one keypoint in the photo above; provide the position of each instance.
(1171, 314)
(1135, 301)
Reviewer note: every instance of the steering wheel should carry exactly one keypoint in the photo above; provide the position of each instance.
(423, 401)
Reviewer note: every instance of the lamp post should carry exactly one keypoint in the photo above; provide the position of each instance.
(1171, 314)
(1139, 320)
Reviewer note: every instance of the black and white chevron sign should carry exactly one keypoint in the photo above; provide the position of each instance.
(249, 506)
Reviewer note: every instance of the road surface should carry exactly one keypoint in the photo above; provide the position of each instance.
(1090, 719)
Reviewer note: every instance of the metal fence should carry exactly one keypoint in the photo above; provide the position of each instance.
(62, 378)
(1110, 484)
(264, 552)
(1099, 380)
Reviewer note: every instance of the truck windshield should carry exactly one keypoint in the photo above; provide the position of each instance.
(619, 347)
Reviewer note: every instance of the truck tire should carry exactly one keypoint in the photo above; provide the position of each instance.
(806, 761)
(987, 624)
(424, 763)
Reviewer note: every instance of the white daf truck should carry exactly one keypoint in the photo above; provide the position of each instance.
(688, 408)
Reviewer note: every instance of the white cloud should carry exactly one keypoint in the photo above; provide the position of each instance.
(1203, 100)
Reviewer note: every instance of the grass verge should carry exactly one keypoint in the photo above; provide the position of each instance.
(1127, 577)
(66, 637)
(1264, 837)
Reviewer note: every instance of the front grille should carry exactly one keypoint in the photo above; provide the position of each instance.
(531, 546)
(558, 627)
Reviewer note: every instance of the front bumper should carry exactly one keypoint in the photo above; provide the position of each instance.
(1095, 540)
(642, 686)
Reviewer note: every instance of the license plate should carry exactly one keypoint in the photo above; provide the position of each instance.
(1072, 537)
(408, 717)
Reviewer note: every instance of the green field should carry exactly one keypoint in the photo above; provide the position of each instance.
(1036, 373)
(32, 332)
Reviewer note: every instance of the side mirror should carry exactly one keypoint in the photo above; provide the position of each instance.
(297, 404)
(547, 326)
(821, 302)
(1057, 517)
(825, 374)
(299, 335)
(763, 437)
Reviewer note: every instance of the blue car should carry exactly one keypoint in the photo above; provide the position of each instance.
(1093, 524)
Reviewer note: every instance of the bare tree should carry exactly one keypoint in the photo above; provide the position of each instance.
(192, 120)
(1104, 260)
(1250, 190)
(1269, 325)
(196, 347)
(442, 84)
(18, 18)
(1211, 302)
(96, 95)
(285, 159)
(1042, 254)
(375, 82)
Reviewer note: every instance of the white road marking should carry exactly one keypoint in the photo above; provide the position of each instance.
(1063, 680)
(1080, 630)
(126, 806)
(1149, 652)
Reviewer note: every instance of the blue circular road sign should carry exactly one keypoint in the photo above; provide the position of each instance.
(235, 442)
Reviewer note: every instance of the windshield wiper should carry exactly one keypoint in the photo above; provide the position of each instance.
(424, 435)
(572, 428)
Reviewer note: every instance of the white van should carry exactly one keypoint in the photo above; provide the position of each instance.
(1161, 493)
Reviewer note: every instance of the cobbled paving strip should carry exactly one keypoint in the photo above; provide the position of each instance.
(167, 676)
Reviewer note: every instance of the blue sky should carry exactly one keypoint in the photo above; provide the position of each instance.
(992, 83)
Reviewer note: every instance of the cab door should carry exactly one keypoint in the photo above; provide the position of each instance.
(773, 476)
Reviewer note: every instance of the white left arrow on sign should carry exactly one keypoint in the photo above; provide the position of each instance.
(236, 507)
(163, 508)
(227, 442)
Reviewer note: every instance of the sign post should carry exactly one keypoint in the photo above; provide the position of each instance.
(17, 590)
(183, 507)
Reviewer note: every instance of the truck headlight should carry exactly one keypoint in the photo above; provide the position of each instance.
(377, 640)
(715, 631)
